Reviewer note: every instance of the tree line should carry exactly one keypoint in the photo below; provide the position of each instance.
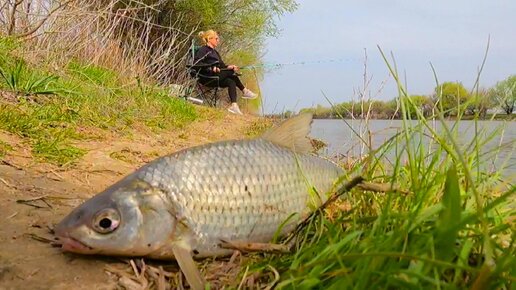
(450, 98)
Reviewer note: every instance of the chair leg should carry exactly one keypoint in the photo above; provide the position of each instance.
(214, 97)
(207, 95)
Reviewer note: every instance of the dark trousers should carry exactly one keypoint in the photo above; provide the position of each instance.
(227, 79)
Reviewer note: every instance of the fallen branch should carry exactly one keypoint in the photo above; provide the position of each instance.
(255, 247)
(381, 187)
(346, 188)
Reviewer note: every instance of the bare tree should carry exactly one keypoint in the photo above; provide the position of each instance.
(129, 39)
(22, 18)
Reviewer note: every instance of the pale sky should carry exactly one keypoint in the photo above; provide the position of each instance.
(452, 35)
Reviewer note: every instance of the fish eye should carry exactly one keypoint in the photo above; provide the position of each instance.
(106, 221)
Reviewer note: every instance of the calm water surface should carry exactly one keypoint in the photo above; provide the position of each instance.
(499, 151)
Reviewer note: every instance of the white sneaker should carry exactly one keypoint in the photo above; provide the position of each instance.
(235, 109)
(248, 94)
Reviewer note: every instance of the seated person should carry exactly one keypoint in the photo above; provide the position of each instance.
(207, 55)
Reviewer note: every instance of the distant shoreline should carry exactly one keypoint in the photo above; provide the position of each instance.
(465, 118)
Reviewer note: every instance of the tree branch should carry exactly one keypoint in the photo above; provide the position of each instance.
(4, 6)
(42, 21)
(345, 188)
(12, 18)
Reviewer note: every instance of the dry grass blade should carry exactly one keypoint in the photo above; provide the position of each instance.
(32, 201)
(7, 183)
(243, 278)
(276, 278)
(40, 238)
(161, 282)
(13, 215)
(136, 274)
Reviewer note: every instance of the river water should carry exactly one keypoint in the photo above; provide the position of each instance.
(499, 151)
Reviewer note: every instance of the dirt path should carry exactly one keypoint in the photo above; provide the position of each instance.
(34, 196)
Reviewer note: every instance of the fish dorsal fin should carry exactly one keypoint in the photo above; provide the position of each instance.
(292, 133)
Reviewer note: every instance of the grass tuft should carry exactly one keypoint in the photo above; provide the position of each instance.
(4, 148)
(449, 224)
(52, 110)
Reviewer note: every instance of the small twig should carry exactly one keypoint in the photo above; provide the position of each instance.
(40, 238)
(34, 272)
(347, 187)
(161, 283)
(255, 247)
(30, 204)
(13, 215)
(120, 273)
(276, 278)
(5, 162)
(129, 283)
(31, 199)
(59, 177)
(135, 269)
(6, 183)
(46, 202)
(381, 187)
(28, 201)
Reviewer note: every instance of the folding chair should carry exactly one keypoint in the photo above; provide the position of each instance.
(202, 94)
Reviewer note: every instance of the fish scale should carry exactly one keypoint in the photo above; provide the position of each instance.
(238, 191)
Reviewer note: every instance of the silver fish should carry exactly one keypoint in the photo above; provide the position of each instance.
(183, 205)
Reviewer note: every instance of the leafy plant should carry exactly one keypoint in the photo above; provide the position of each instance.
(23, 82)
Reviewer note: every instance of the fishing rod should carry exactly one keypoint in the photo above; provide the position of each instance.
(278, 65)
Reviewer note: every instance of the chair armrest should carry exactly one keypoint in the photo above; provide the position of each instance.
(202, 65)
(207, 76)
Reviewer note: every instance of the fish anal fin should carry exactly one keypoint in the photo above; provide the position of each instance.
(292, 133)
(183, 254)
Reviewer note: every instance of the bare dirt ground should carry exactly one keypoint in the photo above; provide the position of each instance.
(34, 196)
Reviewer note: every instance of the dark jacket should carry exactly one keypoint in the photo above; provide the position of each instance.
(206, 55)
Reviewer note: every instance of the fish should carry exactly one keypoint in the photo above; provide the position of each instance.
(181, 206)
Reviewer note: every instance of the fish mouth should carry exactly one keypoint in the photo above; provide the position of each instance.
(69, 244)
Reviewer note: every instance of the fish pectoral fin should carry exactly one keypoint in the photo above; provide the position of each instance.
(183, 255)
(255, 247)
(292, 133)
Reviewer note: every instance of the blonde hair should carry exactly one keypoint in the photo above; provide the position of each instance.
(206, 35)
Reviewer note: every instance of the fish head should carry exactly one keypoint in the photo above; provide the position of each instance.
(131, 218)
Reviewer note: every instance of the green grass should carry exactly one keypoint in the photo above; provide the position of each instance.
(454, 228)
(56, 149)
(452, 231)
(4, 148)
(257, 128)
(51, 108)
